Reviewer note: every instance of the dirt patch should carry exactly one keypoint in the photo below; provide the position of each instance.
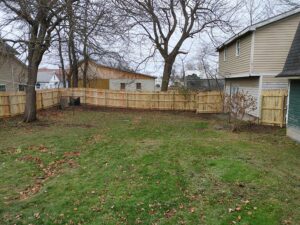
(40, 148)
(52, 112)
(71, 154)
(78, 125)
(258, 128)
(96, 139)
(246, 127)
(49, 171)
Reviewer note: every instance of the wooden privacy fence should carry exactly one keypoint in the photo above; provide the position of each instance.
(135, 100)
(13, 103)
(274, 107)
(210, 102)
(273, 103)
(203, 102)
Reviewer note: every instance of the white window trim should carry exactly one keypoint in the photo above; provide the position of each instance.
(238, 48)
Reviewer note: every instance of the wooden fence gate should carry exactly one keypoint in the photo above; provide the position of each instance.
(274, 107)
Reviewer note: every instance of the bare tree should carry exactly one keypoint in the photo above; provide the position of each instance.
(73, 58)
(254, 9)
(291, 3)
(169, 23)
(39, 18)
(61, 58)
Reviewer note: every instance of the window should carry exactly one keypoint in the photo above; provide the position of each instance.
(138, 86)
(122, 86)
(2, 87)
(38, 86)
(225, 54)
(22, 87)
(238, 48)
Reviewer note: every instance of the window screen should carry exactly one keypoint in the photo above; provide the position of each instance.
(138, 86)
(2, 87)
(122, 86)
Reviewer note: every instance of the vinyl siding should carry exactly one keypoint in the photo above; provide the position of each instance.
(12, 72)
(272, 44)
(248, 85)
(271, 82)
(147, 85)
(236, 64)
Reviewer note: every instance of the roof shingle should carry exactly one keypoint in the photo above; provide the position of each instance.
(292, 64)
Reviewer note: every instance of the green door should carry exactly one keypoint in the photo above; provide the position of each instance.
(294, 104)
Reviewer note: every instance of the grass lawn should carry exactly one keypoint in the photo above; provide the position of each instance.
(127, 167)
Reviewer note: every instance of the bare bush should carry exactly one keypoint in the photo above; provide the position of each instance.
(239, 104)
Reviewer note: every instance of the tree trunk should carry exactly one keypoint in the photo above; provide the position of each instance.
(62, 63)
(167, 74)
(85, 69)
(75, 67)
(72, 48)
(30, 106)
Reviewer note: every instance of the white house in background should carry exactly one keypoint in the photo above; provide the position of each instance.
(48, 79)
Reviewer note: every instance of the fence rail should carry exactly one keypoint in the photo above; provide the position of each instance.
(273, 103)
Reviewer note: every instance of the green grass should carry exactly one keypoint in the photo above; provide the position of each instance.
(146, 168)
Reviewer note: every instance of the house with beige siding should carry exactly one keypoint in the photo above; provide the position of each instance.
(12, 70)
(251, 60)
(104, 77)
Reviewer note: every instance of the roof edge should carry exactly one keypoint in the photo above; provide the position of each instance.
(292, 73)
(259, 25)
(122, 70)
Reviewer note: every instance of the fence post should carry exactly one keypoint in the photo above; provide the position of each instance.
(173, 105)
(261, 108)
(52, 97)
(105, 100)
(9, 105)
(282, 109)
(42, 101)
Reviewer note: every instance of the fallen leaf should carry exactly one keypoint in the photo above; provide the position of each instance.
(239, 218)
(192, 210)
(37, 215)
(238, 209)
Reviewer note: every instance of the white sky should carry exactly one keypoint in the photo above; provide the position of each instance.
(139, 52)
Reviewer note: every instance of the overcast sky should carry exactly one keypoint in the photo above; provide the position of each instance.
(139, 51)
